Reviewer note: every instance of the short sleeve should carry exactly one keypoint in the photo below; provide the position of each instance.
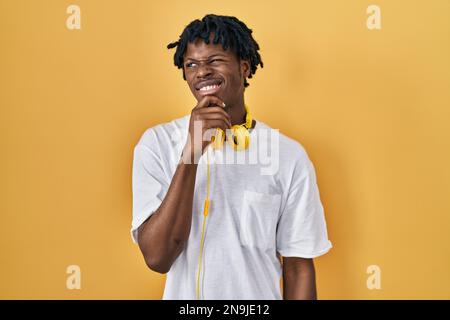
(302, 230)
(149, 186)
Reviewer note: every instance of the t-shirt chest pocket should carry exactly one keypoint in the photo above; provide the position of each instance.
(258, 219)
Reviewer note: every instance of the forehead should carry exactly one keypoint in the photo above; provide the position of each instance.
(199, 50)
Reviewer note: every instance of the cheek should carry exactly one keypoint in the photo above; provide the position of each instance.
(236, 82)
(234, 78)
(190, 83)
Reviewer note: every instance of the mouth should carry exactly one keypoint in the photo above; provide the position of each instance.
(205, 89)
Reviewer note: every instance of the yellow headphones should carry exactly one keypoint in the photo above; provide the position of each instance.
(240, 137)
(239, 140)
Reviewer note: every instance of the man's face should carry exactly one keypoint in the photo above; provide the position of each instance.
(211, 70)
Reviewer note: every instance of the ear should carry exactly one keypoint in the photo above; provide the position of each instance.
(245, 67)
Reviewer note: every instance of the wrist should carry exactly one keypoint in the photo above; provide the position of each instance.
(189, 157)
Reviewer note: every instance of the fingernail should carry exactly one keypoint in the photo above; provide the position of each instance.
(224, 104)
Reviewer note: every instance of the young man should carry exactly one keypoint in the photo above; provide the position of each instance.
(254, 218)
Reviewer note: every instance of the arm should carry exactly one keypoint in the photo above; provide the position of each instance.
(299, 280)
(163, 236)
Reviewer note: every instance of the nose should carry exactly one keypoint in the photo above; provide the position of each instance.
(203, 70)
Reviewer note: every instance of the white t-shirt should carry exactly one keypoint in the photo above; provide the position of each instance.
(258, 209)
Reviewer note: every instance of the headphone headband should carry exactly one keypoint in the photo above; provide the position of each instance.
(240, 138)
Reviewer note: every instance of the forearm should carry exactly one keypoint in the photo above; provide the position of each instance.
(299, 281)
(163, 236)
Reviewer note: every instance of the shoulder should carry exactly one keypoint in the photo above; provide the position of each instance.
(290, 150)
(287, 156)
(167, 133)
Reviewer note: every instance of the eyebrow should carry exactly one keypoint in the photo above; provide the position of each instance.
(211, 56)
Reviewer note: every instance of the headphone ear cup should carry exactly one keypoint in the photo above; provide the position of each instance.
(240, 138)
(218, 139)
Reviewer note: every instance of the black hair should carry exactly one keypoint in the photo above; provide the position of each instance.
(229, 31)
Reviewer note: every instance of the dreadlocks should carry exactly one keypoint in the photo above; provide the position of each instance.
(229, 31)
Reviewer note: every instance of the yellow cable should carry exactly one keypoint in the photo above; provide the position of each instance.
(248, 124)
(205, 214)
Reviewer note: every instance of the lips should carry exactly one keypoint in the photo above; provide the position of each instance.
(209, 90)
(208, 83)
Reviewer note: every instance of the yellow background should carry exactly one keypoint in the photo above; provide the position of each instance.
(370, 107)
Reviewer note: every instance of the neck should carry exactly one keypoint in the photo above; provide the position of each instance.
(237, 112)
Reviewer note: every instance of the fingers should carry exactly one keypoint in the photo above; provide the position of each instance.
(208, 101)
(216, 123)
(211, 108)
(214, 113)
(212, 118)
(210, 111)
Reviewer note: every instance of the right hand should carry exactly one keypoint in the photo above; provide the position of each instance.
(210, 114)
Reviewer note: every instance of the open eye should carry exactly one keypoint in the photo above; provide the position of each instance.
(189, 64)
